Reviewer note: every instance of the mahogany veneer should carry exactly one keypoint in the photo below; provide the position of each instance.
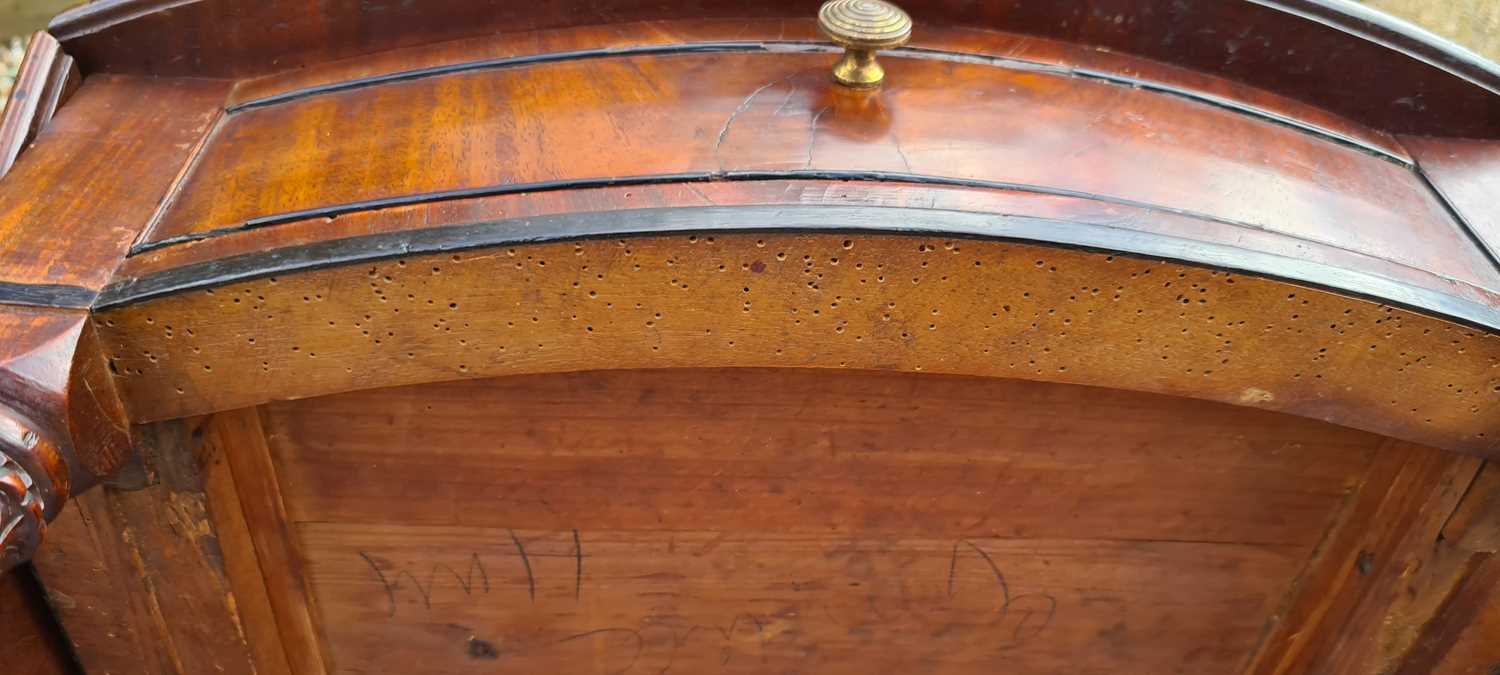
(615, 337)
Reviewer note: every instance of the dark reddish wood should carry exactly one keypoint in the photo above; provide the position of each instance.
(1467, 174)
(33, 644)
(851, 514)
(1333, 55)
(46, 79)
(780, 112)
(62, 427)
(67, 194)
(691, 462)
(136, 572)
(1009, 50)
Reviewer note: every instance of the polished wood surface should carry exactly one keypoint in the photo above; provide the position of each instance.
(1334, 55)
(86, 217)
(1002, 48)
(1467, 174)
(787, 205)
(645, 116)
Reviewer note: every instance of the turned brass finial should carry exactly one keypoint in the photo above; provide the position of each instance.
(862, 27)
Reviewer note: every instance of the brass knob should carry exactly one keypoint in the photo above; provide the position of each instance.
(862, 27)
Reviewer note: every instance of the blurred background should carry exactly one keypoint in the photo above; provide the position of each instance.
(1474, 24)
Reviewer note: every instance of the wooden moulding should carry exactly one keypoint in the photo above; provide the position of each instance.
(917, 303)
(242, 444)
(45, 81)
(1335, 55)
(82, 192)
(776, 116)
(1466, 174)
(62, 428)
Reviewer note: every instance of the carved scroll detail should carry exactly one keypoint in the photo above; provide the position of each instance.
(62, 427)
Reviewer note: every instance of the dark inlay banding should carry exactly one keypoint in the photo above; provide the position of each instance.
(60, 296)
(1100, 237)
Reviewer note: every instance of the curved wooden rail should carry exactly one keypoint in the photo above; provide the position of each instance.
(1332, 53)
(1112, 291)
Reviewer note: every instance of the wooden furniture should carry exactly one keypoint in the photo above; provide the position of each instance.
(456, 336)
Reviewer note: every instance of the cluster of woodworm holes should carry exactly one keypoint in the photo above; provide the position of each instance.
(1033, 344)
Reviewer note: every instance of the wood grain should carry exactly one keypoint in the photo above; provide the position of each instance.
(136, 573)
(46, 79)
(827, 521)
(1332, 55)
(1461, 637)
(813, 301)
(526, 216)
(242, 566)
(66, 195)
(239, 438)
(644, 116)
(1004, 49)
(1362, 575)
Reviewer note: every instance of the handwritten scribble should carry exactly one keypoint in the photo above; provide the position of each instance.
(995, 569)
(390, 592)
(679, 639)
(1013, 618)
(530, 578)
(393, 584)
(467, 582)
(1021, 617)
(577, 566)
(1033, 620)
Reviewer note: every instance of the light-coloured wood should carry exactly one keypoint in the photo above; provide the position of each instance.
(239, 438)
(242, 564)
(913, 304)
